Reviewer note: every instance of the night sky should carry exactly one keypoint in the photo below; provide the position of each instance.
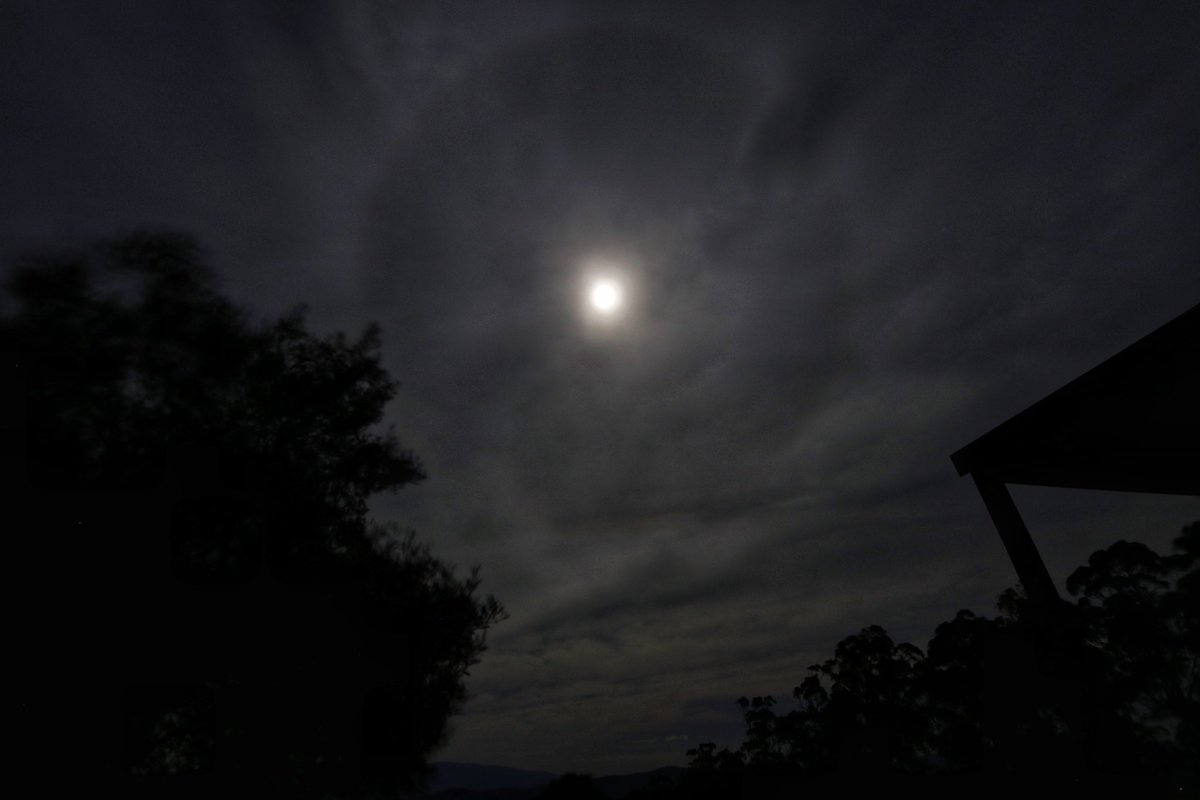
(851, 238)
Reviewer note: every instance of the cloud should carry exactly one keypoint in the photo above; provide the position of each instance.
(859, 277)
(858, 236)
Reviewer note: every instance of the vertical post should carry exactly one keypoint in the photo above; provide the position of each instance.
(1021, 550)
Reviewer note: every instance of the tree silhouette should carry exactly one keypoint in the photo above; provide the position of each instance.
(255, 621)
(713, 773)
(1114, 677)
(952, 681)
(1141, 626)
(873, 684)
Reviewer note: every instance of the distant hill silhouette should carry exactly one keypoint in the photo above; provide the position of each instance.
(483, 777)
(521, 793)
(459, 781)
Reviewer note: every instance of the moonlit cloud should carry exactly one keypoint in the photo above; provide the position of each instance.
(849, 239)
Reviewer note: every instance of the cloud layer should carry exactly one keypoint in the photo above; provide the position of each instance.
(856, 237)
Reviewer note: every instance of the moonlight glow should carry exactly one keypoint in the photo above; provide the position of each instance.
(605, 296)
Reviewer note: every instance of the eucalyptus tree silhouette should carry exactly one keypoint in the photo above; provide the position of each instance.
(205, 591)
(1138, 617)
(1114, 707)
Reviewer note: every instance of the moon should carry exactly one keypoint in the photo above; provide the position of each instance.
(605, 296)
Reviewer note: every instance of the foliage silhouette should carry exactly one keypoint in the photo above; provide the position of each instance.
(263, 627)
(713, 774)
(1102, 695)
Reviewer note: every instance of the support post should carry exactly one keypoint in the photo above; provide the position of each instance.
(1021, 550)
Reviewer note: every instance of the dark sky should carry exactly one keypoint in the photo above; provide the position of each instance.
(854, 236)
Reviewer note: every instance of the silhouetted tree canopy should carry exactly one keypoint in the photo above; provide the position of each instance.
(1091, 694)
(308, 645)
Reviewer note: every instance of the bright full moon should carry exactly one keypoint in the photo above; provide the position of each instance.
(605, 296)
